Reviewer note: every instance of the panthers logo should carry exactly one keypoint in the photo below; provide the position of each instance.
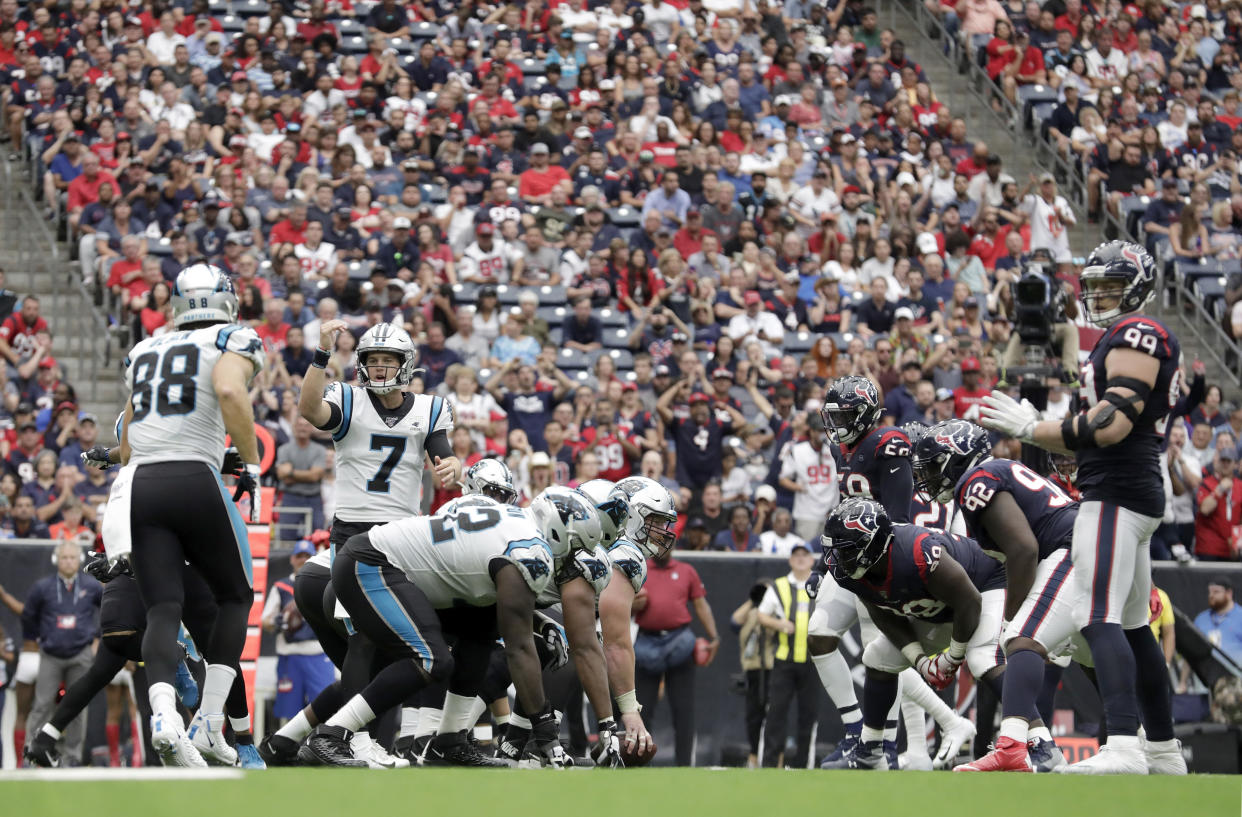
(537, 568)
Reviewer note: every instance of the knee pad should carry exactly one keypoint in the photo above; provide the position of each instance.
(822, 644)
(27, 671)
(882, 656)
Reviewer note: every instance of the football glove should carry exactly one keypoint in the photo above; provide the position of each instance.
(813, 582)
(543, 748)
(550, 643)
(607, 751)
(232, 465)
(248, 484)
(940, 670)
(1002, 413)
(97, 457)
(105, 571)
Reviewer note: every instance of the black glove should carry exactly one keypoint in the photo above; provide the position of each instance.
(607, 752)
(550, 643)
(757, 592)
(232, 465)
(543, 748)
(98, 457)
(105, 571)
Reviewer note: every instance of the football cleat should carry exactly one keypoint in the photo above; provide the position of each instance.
(206, 732)
(172, 745)
(1165, 757)
(1121, 755)
(1045, 755)
(186, 686)
(278, 750)
(914, 762)
(248, 757)
(330, 746)
(42, 751)
(871, 755)
(836, 760)
(454, 750)
(511, 745)
(1007, 755)
(952, 741)
(376, 756)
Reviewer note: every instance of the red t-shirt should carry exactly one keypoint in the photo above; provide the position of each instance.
(273, 339)
(1213, 534)
(989, 249)
(613, 463)
(83, 191)
(670, 588)
(122, 267)
(687, 244)
(283, 232)
(964, 398)
(534, 183)
(20, 335)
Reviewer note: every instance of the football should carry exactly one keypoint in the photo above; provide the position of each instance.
(632, 757)
(292, 617)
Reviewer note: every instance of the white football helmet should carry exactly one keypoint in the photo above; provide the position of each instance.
(492, 478)
(613, 507)
(653, 515)
(632, 485)
(567, 520)
(203, 293)
(387, 337)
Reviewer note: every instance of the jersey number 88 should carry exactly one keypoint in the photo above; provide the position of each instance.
(170, 376)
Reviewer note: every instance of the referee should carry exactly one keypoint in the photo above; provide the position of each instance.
(786, 610)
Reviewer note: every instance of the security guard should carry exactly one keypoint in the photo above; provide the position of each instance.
(786, 609)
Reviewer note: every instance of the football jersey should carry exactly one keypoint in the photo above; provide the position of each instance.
(380, 452)
(1129, 473)
(627, 558)
(595, 567)
(448, 556)
(492, 265)
(1047, 509)
(912, 557)
(176, 414)
(878, 468)
(317, 262)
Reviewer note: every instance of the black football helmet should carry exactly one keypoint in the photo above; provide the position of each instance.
(1065, 466)
(851, 409)
(947, 451)
(856, 536)
(915, 429)
(1122, 262)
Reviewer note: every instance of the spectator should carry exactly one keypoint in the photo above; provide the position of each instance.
(809, 471)
(755, 649)
(19, 331)
(738, 537)
(699, 436)
(781, 539)
(582, 331)
(302, 669)
(1221, 622)
(435, 357)
(664, 650)
(972, 391)
(1218, 504)
(300, 466)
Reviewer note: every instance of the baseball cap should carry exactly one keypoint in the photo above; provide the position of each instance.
(401, 223)
(67, 405)
(904, 313)
(722, 372)
(660, 371)
(944, 394)
(926, 244)
(971, 302)
(87, 417)
(646, 156)
(373, 305)
(538, 147)
(344, 212)
(27, 426)
(971, 364)
(582, 133)
(848, 139)
(540, 459)
(237, 141)
(304, 547)
(765, 492)
(485, 229)
(1169, 183)
(238, 76)
(751, 297)
(850, 188)
(697, 523)
(409, 164)
(1046, 177)
(24, 407)
(680, 337)
(1221, 580)
(629, 386)
(698, 397)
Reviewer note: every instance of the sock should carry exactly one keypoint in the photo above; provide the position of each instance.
(1154, 695)
(53, 732)
(879, 696)
(113, 731)
(894, 712)
(519, 721)
(19, 743)
(1024, 676)
(428, 721)
(477, 708)
(1014, 728)
(455, 716)
(135, 761)
(354, 715)
(1048, 692)
(870, 735)
(916, 727)
(297, 728)
(243, 738)
(216, 688)
(409, 722)
(914, 688)
(1039, 733)
(834, 674)
(240, 725)
(164, 702)
(1115, 674)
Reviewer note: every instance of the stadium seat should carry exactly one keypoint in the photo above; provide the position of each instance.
(1031, 95)
(353, 45)
(361, 270)
(161, 248)
(624, 216)
(232, 24)
(799, 342)
(508, 295)
(465, 293)
(531, 67)
(621, 357)
(551, 295)
(248, 8)
(554, 334)
(573, 359)
(616, 338)
(554, 315)
(424, 31)
(433, 193)
(350, 28)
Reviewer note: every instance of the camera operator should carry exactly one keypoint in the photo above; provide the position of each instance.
(1042, 310)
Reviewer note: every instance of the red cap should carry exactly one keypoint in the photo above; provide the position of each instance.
(751, 297)
(497, 416)
(123, 136)
(971, 364)
(850, 188)
(629, 387)
(239, 76)
(1133, 11)
(698, 397)
(67, 404)
(485, 229)
(47, 363)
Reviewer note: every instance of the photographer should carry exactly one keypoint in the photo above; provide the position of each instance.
(755, 648)
(1042, 315)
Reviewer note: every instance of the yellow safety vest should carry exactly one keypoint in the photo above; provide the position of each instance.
(799, 612)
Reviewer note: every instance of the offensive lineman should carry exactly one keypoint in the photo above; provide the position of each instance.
(187, 388)
(1129, 383)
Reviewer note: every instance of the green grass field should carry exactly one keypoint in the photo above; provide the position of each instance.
(634, 793)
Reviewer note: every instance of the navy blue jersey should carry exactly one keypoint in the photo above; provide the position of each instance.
(1047, 509)
(930, 514)
(878, 468)
(1128, 473)
(912, 557)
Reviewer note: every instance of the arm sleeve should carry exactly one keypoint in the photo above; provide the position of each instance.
(897, 489)
(338, 396)
(437, 444)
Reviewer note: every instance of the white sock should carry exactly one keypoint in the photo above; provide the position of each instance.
(455, 717)
(916, 727)
(1124, 742)
(354, 715)
(297, 728)
(409, 722)
(1039, 733)
(51, 731)
(519, 721)
(216, 688)
(501, 720)
(894, 712)
(240, 724)
(834, 674)
(870, 735)
(915, 689)
(1015, 729)
(428, 721)
(164, 702)
(477, 708)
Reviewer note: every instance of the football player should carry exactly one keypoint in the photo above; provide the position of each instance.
(475, 572)
(187, 388)
(1129, 383)
(925, 590)
(875, 465)
(1027, 522)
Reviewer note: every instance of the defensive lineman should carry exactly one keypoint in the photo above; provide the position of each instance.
(187, 388)
(1129, 383)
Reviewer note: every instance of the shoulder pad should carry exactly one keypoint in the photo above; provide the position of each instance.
(241, 340)
(626, 557)
(595, 567)
(928, 548)
(1143, 334)
(977, 489)
(892, 443)
(533, 558)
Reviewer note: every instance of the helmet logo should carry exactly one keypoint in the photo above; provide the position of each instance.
(861, 391)
(950, 440)
(857, 524)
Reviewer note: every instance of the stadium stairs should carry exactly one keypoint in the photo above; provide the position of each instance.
(37, 262)
(960, 84)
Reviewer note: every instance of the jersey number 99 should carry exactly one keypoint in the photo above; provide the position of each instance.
(168, 377)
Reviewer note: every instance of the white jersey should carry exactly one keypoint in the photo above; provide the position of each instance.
(379, 452)
(176, 415)
(816, 473)
(627, 558)
(448, 556)
(317, 263)
(491, 265)
(1049, 225)
(595, 567)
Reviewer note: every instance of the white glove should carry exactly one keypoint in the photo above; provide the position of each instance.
(1002, 413)
(938, 671)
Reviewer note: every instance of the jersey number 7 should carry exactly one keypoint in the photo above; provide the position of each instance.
(379, 484)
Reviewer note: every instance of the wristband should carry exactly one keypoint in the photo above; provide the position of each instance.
(957, 649)
(627, 702)
(913, 652)
(322, 356)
